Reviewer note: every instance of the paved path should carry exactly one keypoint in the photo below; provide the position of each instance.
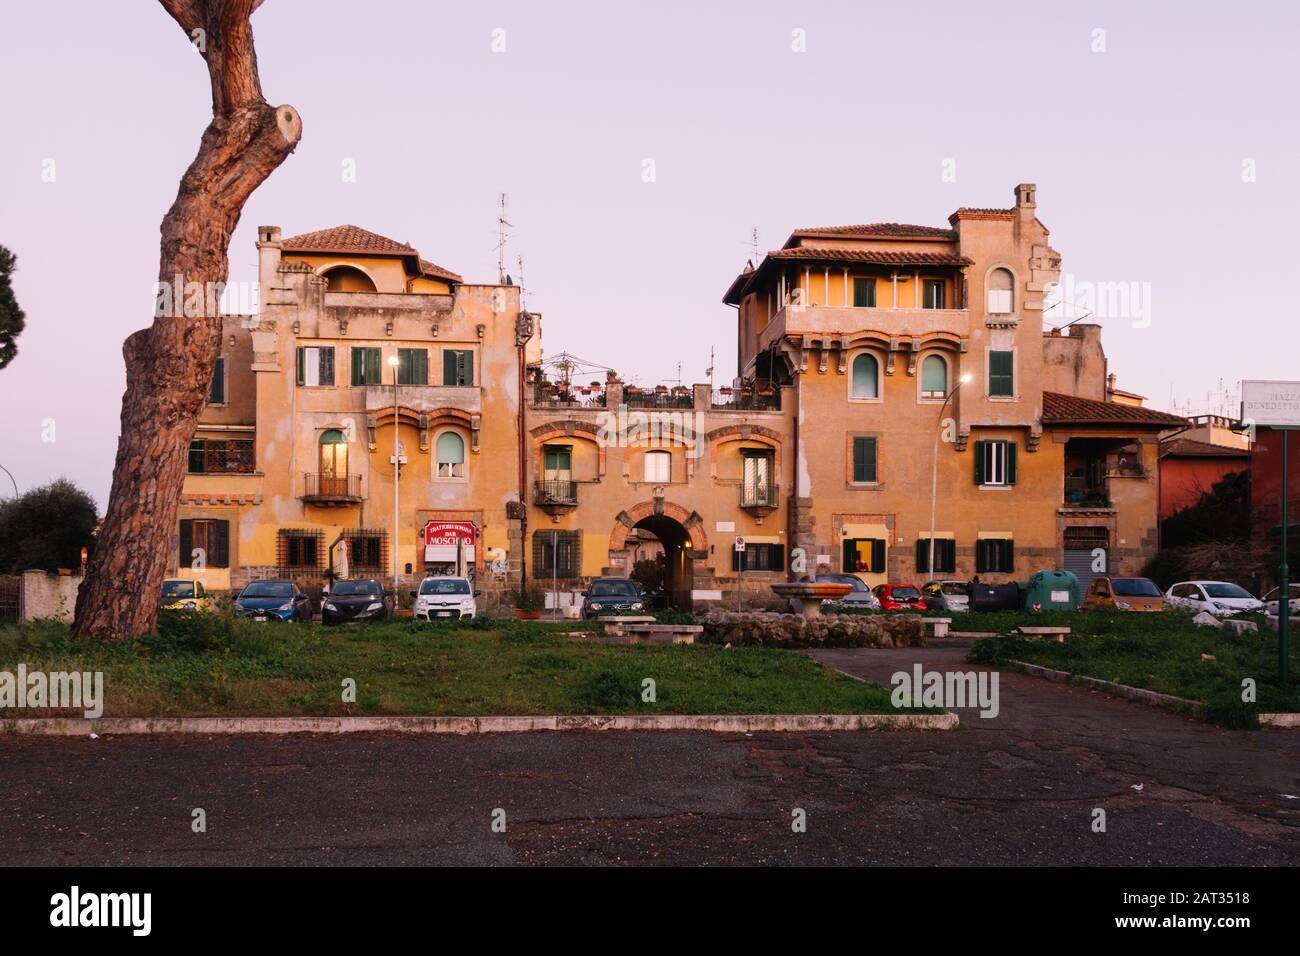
(1019, 789)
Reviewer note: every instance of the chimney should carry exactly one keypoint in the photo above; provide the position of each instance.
(1025, 196)
(268, 256)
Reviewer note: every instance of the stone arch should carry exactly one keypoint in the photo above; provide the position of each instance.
(689, 520)
(570, 428)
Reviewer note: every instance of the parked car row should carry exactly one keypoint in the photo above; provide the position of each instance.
(1058, 590)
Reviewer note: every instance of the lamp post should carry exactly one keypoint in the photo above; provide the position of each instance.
(934, 467)
(397, 472)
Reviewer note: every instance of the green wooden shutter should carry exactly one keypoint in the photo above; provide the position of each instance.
(373, 368)
(358, 366)
(421, 369)
(187, 543)
(1001, 377)
(979, 461)
(949, 555)
(778, 557)
(864, 459)
(465, 369)
(1011, 463)
(220, 556)
(1011, 556)
(196, 457)
(850, 555)
(302, 377)
(738, 560)
(448, 366)
(217, 393)
(981, 556)
(877, 555)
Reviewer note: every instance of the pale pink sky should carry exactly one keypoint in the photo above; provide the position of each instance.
(1138, 152)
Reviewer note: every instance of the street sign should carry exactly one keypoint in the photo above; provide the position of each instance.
(1271, 404)
(740, 542)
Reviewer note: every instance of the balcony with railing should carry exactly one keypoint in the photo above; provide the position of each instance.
(331, 489)
(562, 395)
(661, 396)
(754, 399)
(759, 498)
(830, 320)
(555, 496)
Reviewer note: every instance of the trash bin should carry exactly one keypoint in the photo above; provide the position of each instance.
(995, 597)
(1052, 591)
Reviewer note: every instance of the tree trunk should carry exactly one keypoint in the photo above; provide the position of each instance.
(169, 365)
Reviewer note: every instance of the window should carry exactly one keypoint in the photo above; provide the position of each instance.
(457, 367)
(348, 279)
(864, 293)
(934, 294)
(996, 555)
(366, 550)
(412, 366)
(1001, 299)
(215, 456)
(864, 460)
(316, 365)
(333, 479)
(934, 377)
(864, 555)
(995, 463)
(1001, 375)
(759, 557)
(658, 466)
(557, 554)
(756, 485)
(217, 393)
(451, 455)
(945, 555)
(366, 367)
(557, 462)
(866, 377)
(210, 536)
(300, 549)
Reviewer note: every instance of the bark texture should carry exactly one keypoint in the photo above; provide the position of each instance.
(169, 365)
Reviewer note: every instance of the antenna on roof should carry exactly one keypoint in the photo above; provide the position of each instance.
(753, 241)
(502, 225)
(523, 289)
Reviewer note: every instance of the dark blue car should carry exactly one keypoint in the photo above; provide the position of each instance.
(273, 601)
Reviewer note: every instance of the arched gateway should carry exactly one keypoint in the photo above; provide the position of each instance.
(685, 543)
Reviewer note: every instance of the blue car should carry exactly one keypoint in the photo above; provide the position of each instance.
(273, 601)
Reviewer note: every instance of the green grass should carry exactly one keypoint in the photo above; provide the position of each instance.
(213, 665)
(1159, 652)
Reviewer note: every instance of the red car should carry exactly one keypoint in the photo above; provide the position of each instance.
(899, 597)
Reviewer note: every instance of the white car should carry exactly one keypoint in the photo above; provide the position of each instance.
(1220, 598)
(445, 598)
(1273, 601)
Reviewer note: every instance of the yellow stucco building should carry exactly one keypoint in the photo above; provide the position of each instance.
(876, 362)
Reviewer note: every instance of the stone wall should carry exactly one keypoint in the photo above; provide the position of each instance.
(48, 596)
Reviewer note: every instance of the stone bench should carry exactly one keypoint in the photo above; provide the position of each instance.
(663, 633)
(1056, 634)
(938, 625)
(615, 623)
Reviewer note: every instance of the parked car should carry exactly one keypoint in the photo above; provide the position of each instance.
(179, 594)
(361, 600)
(611, 596)
(445, 598)
(899, 597)
(273, 601)
(1273, 601)
(1220, 598)
(1124, 594)
(860, 598)
(950, 596)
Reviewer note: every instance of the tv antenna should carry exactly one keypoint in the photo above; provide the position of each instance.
(503, 224)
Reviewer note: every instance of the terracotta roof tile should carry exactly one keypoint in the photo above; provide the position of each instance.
(353, 239)
(880, 230)
(876, 256)
(345, 239)
(1061, 409)
(1191, 448)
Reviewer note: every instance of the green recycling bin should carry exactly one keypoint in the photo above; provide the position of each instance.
(1052, 591)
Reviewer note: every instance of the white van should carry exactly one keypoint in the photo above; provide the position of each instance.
(445, 598)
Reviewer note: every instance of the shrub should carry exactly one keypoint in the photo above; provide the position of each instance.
(770, 629)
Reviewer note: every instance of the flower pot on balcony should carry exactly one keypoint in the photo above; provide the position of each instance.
(523, 615)
(661, 389)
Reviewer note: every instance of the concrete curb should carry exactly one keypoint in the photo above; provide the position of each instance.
(1288, 721)
(714, 723)
(1139, 694)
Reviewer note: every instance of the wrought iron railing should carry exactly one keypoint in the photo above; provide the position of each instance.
(746, 400)
(555, 491)
(552, 395)
(759, 495)
(335, 487)
(655, 399)
(211, 456)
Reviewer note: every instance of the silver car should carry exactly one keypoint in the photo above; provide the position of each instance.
(859, 599)
(1273, 601)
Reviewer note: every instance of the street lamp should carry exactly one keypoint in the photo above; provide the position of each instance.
(397, 471)
(934, 466)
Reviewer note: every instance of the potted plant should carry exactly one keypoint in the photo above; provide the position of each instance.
(611, 376)
(661, 389)
(529, 603)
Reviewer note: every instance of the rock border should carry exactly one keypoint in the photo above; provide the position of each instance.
(712, 723)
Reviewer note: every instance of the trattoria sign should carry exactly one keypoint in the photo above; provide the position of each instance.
(1270, 404)
(444, 540)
